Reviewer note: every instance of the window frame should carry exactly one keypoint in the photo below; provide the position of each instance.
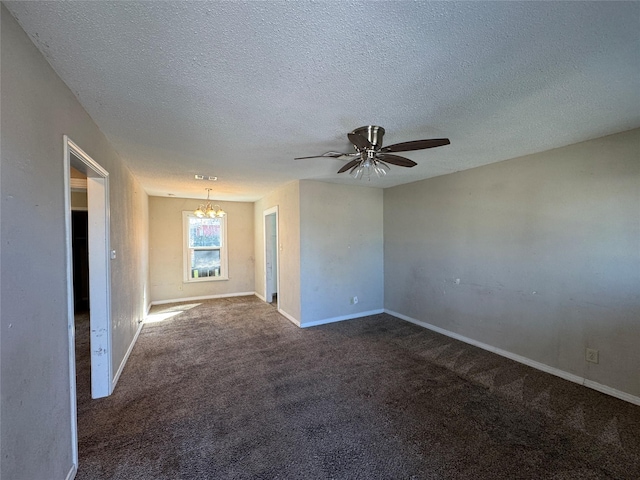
(186, 251)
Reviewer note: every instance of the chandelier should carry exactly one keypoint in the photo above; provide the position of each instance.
(208, 210)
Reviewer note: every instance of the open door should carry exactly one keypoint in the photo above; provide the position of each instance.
(272, 277)
(98, 211)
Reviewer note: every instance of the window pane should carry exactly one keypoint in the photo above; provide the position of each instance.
(205, 263)
(204, 232)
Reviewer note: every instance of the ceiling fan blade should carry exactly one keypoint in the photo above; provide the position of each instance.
(348, 156)
(327, 154)
(359, 141)
(416, 145)
(349, 165)
(396, 160)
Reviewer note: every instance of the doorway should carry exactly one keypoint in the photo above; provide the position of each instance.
(98, 211)
(271, 261)
(99, 275)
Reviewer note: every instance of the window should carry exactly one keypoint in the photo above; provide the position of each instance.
(205, 248)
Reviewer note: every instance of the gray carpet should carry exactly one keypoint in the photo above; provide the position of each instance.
(229, 389)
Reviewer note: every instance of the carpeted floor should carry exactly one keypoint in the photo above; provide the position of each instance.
(229, 389)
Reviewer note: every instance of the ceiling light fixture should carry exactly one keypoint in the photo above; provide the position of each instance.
(369, 163)
(208, 210)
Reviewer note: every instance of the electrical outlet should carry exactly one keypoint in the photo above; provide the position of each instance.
(591, 355)
(353, 300)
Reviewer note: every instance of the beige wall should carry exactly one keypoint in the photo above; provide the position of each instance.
(37, 110)
(341, 250)
(79, 200)
(546, 249)
(166, 250)
(78, 197)
(287, 199)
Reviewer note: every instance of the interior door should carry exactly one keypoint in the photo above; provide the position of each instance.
(271, 255)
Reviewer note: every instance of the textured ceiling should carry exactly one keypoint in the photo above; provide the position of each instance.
(237, 89)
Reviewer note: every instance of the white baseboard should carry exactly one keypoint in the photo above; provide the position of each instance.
(324, 321)
(292, 319)
(72, 473)
(524, 360)
(126, 356)
(627, 397)
(203, 297)
(341, 318)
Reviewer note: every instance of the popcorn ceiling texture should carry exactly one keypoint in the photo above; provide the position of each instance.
(237, 89)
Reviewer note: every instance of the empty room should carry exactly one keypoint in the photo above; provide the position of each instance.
(309, 240)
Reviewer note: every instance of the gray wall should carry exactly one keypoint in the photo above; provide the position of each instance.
(166, 250)
(287, 199)
(341, 250)
(330, 249)
(546, 249)
(37, 109)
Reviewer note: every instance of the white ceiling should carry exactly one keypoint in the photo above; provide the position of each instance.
(237, 89)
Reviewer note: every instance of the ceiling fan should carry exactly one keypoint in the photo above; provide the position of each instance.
(371, 156)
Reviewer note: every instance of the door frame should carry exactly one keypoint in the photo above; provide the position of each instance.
(99, 276)
(265, 214)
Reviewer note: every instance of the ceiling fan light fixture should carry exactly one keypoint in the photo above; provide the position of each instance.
(381, 169)
(369, 166)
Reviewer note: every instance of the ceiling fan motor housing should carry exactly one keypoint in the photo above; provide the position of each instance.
(372, 133)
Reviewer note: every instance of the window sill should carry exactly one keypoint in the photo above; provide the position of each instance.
(205, 279)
